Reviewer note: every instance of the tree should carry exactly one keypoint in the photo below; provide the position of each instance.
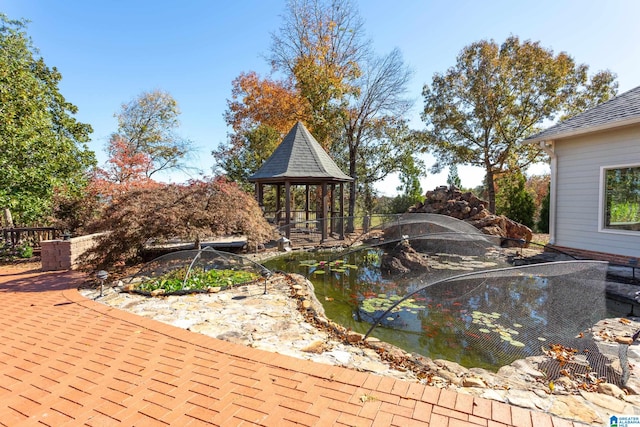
(193, 211)
(147, 126)
(495, 96)
(43, 148)
(543, 221)
(351, 100)
(320, 46)
(125, 170)
(410, 188)
(377, 137)
(453, 179)
(260, 113)
(513, 200)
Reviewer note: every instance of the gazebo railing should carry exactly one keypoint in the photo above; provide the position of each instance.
(304, 233)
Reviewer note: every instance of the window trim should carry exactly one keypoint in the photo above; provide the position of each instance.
(602, 200)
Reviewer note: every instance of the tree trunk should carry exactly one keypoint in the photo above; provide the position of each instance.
(491, 191)
(8, 219)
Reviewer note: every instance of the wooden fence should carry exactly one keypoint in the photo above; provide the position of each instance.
(31, 236)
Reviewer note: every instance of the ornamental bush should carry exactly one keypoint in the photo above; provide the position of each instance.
(190, 212)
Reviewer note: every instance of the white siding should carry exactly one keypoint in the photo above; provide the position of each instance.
(578, 189)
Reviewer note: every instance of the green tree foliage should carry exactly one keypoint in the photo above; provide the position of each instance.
(43, 148)
(479, 111)
(542, 225)
(410, 188)
(198, 210)
(453, 179)
(147, 125)
(513, 200)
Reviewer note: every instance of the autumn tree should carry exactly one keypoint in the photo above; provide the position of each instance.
(191, 212)
(320, 46)
(260, 112)
(147, 125)
(43, 148)
(479, 111)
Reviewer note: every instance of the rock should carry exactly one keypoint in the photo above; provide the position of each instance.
(525, 367)
(454, 367)
(526, 399)
(611, 390)
(213, 289)
(465, 206)
(373, 366)
(612, 404)
(473, 382)
(564, 383)
(314, 347)
(342, 357)
(157, 292)
(449, 376)
(575, 409)
(306, 304)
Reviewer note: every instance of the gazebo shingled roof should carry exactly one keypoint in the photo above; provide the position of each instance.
(299, 157)
(301, 160)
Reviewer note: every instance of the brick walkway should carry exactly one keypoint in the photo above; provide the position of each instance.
(66, 360)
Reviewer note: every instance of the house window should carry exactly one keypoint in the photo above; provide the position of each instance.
(622, 198)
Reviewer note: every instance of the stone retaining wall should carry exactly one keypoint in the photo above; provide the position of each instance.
(64, 254)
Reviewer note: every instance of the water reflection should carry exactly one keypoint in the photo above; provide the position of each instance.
(482, 318)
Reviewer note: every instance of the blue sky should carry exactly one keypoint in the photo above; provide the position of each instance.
(110, 51)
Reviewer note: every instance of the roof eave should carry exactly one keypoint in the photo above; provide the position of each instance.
(582, 131)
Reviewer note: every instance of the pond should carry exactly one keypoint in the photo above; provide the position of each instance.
(478, 311)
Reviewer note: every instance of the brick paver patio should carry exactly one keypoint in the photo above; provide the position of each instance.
(67, 360)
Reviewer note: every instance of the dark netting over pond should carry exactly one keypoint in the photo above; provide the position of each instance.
(436, 286)
(501, 315)
(192, 271)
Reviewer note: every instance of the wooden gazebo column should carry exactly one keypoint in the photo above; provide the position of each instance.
(278, 204)
(324, 212)
(341, 211)
(260, 193)
(287, 207)
(306, 204)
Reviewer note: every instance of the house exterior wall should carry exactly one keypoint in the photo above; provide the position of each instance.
(579, 187)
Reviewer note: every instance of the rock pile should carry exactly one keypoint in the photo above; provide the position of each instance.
(466, 206)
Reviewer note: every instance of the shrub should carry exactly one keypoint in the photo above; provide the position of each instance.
(543, 222)
(514, 201)
(200, 209)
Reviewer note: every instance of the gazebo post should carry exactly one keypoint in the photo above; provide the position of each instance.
(324, 212)
(260, 193)
(278, 205)
(287, 207)
(332, 209)
(306, 205)
(341, 211)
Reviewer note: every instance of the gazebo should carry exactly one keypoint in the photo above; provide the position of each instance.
(299, 160)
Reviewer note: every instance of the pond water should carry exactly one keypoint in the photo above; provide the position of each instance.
(474, 310)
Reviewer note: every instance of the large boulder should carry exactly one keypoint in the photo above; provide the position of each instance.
(466, 206)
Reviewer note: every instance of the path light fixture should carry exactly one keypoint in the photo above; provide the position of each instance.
(102, 276)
